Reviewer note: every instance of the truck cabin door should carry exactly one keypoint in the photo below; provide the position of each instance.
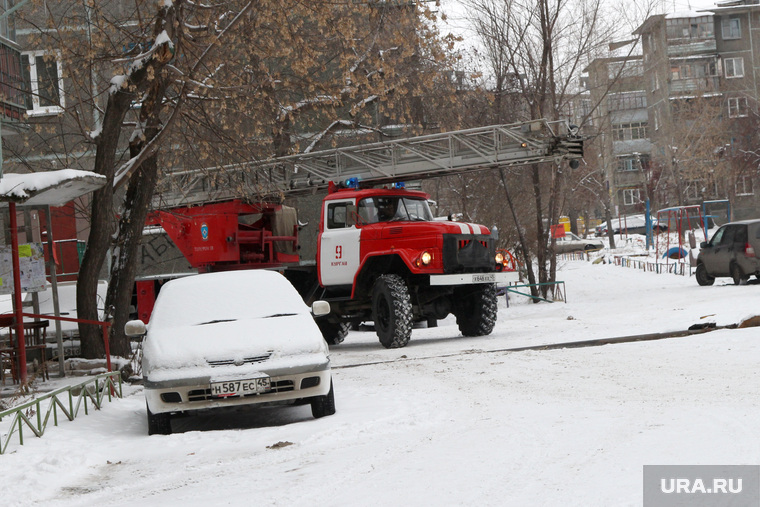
(339, 244)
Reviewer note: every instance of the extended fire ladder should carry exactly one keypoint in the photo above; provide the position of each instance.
(406, 159)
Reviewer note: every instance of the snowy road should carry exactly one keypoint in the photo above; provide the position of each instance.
(560, 427)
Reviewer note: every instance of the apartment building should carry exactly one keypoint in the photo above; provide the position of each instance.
(621, 125)
(693, 120)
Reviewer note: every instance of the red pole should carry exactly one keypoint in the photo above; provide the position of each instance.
(108, 354)
(17, 295)
(107, 345)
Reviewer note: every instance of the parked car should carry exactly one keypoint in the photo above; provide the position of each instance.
(634, 224)
(572, 243)
(730, 252)
(228, 339)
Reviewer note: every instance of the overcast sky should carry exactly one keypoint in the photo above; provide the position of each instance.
(455, 11)
(457, 23)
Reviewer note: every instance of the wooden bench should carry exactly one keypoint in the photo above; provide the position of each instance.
(34, 343)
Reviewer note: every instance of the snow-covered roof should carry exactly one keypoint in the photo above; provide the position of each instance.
(52, 188)
(686, 14)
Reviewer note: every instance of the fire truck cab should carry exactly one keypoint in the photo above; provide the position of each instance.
(383, 257)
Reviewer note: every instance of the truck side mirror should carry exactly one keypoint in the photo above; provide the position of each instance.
(319, 308)
(704, 244)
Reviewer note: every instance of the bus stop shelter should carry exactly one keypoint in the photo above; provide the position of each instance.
(43, 189)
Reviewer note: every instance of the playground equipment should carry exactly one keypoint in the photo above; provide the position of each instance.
(679, 219)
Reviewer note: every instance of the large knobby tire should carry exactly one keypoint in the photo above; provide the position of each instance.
(476, 313)
(159, 424)
(322, 406)
(738, 275)
(333, 332)
(703, 277)
(392, 311)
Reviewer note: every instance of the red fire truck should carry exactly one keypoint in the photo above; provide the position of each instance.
(381, 257)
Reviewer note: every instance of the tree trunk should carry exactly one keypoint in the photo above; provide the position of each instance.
(524, 250)
(124, 260)
(556, 184)
(101, 225)
(136, 206)
(541, 236)
(99, 240)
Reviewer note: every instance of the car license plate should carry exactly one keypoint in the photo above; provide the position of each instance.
(484, 278)
(240, 387)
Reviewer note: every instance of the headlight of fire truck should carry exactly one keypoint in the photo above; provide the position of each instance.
(499, 257)
(424, 259)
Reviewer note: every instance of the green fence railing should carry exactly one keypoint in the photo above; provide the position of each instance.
(69, 400)
(557, 289)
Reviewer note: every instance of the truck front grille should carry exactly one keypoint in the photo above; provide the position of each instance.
(463, 253)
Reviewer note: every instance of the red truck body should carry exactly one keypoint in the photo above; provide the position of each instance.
(381, 257)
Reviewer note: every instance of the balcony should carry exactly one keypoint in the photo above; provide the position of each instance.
(692, 47)
(694, 85)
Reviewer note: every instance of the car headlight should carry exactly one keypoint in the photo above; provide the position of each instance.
(426, 258)
(499, 258)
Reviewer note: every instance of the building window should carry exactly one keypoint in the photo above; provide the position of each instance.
(7, 23)
(626, 164)
(700, 27)
(744, 186)
(626, 100)
(631, 196)
(731, 28)
(681, 72)
(694, 190)
(656, 119)
(629, 131)
(42, 73)
(734, 67)
(737, 107)
(629, 163)
(620, 70)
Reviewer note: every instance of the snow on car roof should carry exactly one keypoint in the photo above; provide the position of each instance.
(228, 295)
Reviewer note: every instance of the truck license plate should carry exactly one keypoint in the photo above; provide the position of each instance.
(240, 387)
(484, 278)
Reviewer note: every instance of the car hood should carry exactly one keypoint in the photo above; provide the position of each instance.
(233, 349)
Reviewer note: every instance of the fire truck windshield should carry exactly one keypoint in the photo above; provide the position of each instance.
(391, 208)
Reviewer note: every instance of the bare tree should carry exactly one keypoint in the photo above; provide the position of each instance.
(540, 49)
(186, 85)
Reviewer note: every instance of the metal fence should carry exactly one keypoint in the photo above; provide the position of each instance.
(69, 400)
(678, 268)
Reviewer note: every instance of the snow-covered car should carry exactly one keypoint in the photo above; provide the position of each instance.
(232, 338)
(634, 224)
(572, 243)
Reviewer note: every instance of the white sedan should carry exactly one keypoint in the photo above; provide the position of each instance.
(232, 338)
(572, 243)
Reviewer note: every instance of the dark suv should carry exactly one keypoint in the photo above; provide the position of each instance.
(730, 252)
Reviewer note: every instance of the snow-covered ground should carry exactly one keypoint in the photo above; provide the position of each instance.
(450, 420)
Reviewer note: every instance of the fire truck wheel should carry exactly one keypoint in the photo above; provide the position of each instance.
(392, 311)
(333, 332)
(476, 313)
(323, 405)
(159, 424)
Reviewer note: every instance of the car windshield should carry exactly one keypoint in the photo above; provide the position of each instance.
(390, 208)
